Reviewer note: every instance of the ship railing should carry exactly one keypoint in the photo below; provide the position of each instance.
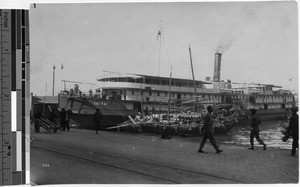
(82, 95)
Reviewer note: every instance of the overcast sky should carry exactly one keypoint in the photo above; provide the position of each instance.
(258, 41)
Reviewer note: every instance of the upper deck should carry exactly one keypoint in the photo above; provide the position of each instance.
(153, 80)
(155, 83)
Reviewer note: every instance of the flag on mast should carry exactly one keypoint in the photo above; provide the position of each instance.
(158, 34)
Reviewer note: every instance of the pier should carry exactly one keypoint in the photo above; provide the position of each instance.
(84, 157)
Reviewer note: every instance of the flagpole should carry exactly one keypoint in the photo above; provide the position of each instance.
(53, 80)
(62, 77)
(44, 100)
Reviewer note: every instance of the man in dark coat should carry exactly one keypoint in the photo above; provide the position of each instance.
(68, 115)
(165, 133)
(207, 132)
(96, 118)
(255, 121)
(293, 129)
(62, 117)
(36, 122)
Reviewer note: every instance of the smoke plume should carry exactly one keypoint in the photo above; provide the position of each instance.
(235, 32)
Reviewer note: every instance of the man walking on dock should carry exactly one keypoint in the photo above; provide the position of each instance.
(207, 132)
(293, 129)
(96, 118)
(255, 121)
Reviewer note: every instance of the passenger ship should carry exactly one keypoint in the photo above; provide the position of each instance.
(143, 92)
(125, 95)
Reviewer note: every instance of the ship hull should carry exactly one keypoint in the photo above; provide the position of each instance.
(113, 112)
(116, 112)
(273, 114)
(85, 121)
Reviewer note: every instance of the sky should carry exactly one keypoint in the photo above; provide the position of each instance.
(258, 42)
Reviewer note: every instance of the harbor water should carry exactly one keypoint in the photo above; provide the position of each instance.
(270, 133)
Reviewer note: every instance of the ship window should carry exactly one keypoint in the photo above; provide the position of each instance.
(157, 93)
(215, 96)
(147, 98)
(150, 93)
(132, 92)
(208, 96)
(184, 95)
(142, 92)
(203, 96)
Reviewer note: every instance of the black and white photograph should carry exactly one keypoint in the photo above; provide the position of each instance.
(164, 93)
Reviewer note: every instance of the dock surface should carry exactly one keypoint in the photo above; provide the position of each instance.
(84, 157)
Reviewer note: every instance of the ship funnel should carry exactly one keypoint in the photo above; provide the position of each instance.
(217, 69)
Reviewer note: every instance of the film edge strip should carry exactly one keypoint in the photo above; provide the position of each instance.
(15, 160)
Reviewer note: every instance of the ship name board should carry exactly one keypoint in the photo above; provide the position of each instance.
(100, 103)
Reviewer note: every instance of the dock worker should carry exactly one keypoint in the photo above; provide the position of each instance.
(37, 116)
(96, 118)
(207, 132)
(293, 129)
(255, 121)
(91, 93)
(165, 133)
(63, 120)
(68, 115)
(138, 117)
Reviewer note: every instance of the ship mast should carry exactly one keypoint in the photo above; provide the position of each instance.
(159, 35)
(195, 91)
(169, 101)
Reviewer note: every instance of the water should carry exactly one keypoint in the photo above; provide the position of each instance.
(270, 133)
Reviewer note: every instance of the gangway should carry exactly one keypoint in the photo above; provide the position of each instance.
(46, 124)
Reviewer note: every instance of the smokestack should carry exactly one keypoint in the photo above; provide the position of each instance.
(217, 69)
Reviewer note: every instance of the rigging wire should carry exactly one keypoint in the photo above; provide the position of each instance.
(169, 59)
(41, 36)
(148, 45)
